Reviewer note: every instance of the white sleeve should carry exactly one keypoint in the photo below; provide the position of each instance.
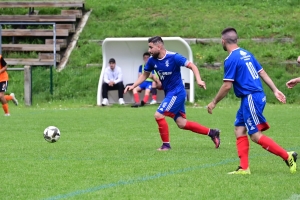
(120, 76)
(106, 79)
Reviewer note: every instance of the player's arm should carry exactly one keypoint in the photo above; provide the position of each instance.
(105, 78)
(291, 83)
(141, 79)
(278, 94)
(229, 77)
(223, 91)
(196, 72)
(156, 80)
(265, 77)
(4, 65)
(120, 76)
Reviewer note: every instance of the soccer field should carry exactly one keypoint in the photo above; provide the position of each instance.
(110, 153)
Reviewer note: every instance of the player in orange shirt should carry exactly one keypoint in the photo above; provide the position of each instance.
(3, 87)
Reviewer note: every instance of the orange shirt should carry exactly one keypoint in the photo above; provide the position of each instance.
(3, 75)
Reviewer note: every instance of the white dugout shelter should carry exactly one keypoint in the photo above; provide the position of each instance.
(128, 53)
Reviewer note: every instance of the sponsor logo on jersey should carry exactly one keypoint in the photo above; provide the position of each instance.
(163, 74)
(167, 63)
(244, 55)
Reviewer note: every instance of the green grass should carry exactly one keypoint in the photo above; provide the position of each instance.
(110, 153)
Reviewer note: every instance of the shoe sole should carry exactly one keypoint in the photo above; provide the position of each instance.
(163, 149)
(239, 173)
(135, 106)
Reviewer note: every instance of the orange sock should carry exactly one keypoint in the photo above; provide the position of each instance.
(154, 97)
(8, 97)
(5, 108)
(136, 98)
(197, 128)
(163, 129)
(146, 97)
(242, 144)
(271, 146)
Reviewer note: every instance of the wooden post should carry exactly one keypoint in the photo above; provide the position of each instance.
(27, 85)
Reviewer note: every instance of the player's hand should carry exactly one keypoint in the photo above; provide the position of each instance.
(128, 88)
(111, 83)
(291, 83)
(210, 107)
(201, 84)
(280, 96)
(298, 59)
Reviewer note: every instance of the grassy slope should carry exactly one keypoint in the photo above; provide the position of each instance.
(133, 18)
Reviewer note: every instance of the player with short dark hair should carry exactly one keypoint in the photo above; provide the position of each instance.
(167, 65)
(112, 80)
(243, 72)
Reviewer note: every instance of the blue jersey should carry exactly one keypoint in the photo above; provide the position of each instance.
(242, 69)
(168, 70)
(141, 70)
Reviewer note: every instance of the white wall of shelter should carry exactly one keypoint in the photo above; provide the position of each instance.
(128, 53)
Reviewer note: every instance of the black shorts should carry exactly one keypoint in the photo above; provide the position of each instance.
(3, 86)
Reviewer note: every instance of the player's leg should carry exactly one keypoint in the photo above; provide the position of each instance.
(12, 98)
(180, 118)
(195, 127)
(136, 96)
(146, 85)
(154, 93)
(242, 145)
(257, 123)
(147, 93)
(3, 87)
(105, 87)
(163, 129)
(120, 88)
(142, 86)
(270, 145)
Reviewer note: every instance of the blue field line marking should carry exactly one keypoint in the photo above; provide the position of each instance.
(148, 178)
(140, 179)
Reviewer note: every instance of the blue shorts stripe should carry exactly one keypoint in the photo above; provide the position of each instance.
(171, 103)
(252, 109)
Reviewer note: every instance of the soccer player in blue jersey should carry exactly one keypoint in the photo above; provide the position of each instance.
(167, 65)
(243, 72)
(146, 85)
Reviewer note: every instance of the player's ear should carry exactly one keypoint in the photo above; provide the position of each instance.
(222, 41)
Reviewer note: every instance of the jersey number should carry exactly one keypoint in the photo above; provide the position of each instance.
(252, 70)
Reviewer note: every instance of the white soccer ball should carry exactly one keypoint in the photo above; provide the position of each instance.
(51, 134)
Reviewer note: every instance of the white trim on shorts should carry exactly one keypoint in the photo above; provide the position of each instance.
(171, 103)
(252, 110)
